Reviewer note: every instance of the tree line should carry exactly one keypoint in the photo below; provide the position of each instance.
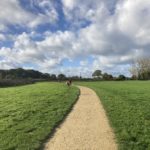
(98, 75)
(140, 70)
(20, 76)
(21, 73)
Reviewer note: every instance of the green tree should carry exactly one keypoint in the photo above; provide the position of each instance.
(97, 74)
(53, 77)
(107, 76)
(121, 77)
(61, 77)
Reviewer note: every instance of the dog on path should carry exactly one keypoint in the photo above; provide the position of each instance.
(69, 82)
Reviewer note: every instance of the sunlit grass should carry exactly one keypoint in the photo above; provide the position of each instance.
(128, 107)
(29, 113)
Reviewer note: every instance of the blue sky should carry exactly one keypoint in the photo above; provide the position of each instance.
(70, 36)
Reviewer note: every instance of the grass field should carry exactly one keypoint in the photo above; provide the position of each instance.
(29, 113)
(128, 107)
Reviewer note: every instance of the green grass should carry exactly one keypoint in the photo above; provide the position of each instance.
(28, 114)
(127, 105)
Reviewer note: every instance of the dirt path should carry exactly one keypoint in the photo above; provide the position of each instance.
(86, 127)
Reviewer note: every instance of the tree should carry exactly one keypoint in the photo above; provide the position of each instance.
(133, 70)
(45, 76)
(121, 77)
(20, 73)
(61, 77)
(107, 76)
(75, 78)
(97, 74)
(140, 69)
(53, 77)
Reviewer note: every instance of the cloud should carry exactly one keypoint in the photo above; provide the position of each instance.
(116, 36)
(12, 13)
(47, 53)
(2, 37)
(114, 33)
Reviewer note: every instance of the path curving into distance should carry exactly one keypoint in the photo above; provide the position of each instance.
(85, 128)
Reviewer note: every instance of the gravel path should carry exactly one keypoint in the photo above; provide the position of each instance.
(85, 128)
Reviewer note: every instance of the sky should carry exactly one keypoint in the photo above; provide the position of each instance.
(72, 36)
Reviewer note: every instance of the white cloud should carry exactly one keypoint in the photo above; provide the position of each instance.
(12, 13)
(84, 63)
(2, 37)
(118, 32)
(45, 54)
(116, 36)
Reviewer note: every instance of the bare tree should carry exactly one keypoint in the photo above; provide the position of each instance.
(140, 69)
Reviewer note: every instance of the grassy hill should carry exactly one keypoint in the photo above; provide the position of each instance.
(28, 114)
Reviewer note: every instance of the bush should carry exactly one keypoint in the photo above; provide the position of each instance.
(7, 83)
